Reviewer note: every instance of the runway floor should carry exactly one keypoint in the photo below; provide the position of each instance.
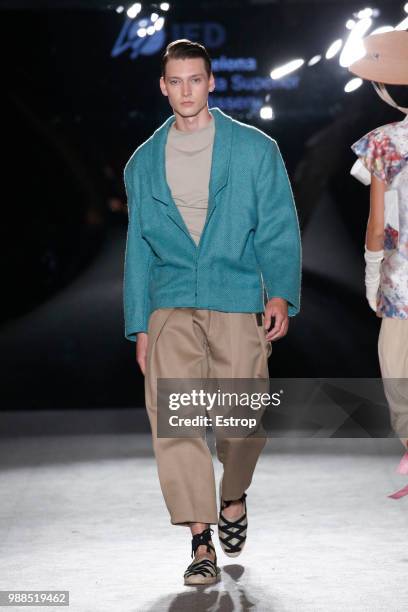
(84, 513)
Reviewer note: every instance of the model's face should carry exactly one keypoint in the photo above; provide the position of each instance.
(187, 85)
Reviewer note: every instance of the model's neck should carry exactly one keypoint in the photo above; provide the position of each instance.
(191, 124)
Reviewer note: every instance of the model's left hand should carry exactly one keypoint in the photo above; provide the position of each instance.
(278, 308)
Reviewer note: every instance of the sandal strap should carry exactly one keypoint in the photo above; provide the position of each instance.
(205, 567)
(202, 538)
(232, 530)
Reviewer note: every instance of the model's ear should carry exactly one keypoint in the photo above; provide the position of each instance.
(212, 82)
(163, 86)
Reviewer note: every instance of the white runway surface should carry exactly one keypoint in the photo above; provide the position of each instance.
(84, 513)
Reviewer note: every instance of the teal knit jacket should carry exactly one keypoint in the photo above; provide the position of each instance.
(250, 242)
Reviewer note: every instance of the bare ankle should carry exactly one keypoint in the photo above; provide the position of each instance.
(203, 551)
(198, 527)
(202, 542)
(233, 509)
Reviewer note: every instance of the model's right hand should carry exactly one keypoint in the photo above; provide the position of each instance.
(141, 351)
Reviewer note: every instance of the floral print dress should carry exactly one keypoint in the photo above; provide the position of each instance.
(384, 153)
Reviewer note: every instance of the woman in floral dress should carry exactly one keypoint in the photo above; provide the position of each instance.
(383, 164)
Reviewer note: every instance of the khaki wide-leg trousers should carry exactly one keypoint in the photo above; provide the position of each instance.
(196, 343)
(393, 355)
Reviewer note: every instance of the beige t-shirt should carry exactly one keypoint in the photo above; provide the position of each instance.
(188, 167)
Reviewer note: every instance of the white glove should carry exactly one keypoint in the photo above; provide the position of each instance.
(372, 275)
(360, 172)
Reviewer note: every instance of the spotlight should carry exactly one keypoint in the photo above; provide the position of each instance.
(350, 23)
(314, 60)
(266, 112)
(353, 47)
(134, 10)
(334, 48)
(154, 17)
(158, 24)
(367, 12)
(142, 32)
(119, 9)
(353, 84)
(164, 6)
(278, 73)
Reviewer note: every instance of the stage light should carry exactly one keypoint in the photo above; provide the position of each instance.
(154, 17)
(314, 60)
(403, 25)
(382, 29)
(120, 9)
(350, 23)
(334, 48)
(266, 112)
(150, 30)
(353, 84)
(353, 48)
(134, 10)
(142, 32)
(278, 73)
(159, 23)
(406, 8)
(367, 12)
(165, 6)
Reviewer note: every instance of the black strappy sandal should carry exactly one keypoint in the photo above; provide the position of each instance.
(232, 534)
(203, 570)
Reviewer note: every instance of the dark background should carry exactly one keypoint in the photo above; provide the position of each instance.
(71, 117)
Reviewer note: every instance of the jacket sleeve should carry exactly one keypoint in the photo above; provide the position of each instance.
(138, 258)
(277, 236)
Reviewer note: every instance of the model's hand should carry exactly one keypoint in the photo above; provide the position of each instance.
(278, 308)
(141, 350)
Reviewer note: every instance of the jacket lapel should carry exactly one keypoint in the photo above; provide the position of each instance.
(220, 156)
(219, 166)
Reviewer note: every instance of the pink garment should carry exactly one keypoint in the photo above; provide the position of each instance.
(401, 469)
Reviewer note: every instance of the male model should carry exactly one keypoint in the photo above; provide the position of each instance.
(212, 227)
